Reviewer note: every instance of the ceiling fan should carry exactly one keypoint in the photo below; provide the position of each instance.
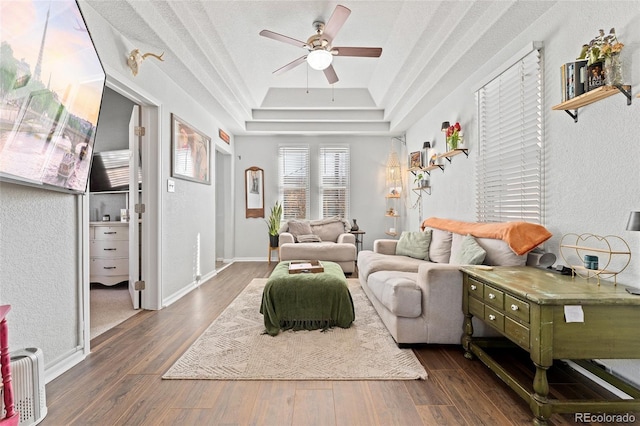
(319, 45)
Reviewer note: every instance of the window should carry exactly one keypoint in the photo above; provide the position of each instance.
(509, 172)
(334, 181)
(294, 181)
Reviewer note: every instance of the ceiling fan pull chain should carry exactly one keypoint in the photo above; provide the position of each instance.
(307, 78)
(332, 97)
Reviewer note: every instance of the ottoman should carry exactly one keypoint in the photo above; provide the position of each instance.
(306, 301)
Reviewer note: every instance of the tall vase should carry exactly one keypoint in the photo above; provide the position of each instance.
(355, 226)
(613, 70)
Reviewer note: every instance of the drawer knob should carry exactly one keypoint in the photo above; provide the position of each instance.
(492, 317)
(473, 287)
(514, 307)
(492, 296)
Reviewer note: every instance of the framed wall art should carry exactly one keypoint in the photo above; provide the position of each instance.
(191, 152)
(254, 191)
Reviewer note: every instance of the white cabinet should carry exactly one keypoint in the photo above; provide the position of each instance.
(109, 252)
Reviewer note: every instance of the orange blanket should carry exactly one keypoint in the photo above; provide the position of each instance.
(520, 236)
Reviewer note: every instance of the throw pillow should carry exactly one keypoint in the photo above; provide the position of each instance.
(309, 238)
(470, 253)
(414, 244)
(297, 228)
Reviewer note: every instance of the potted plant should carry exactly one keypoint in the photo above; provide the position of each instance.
(421, 180)
(273, 223)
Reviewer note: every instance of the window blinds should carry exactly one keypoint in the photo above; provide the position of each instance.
(294, 181)
(334, 181)
(509, 173)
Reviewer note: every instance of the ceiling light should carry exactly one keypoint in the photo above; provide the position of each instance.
(319, 59)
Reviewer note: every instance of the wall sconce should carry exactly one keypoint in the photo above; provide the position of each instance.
(135, 58)
(445, 126)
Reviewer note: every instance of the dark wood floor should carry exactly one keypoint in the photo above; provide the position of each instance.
(120, 384)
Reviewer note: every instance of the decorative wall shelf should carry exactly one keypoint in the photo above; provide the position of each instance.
(586, 244)
(453, 153)
(418, 190)
(590, 97)
(426, 169)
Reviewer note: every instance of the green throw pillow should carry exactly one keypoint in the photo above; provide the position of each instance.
(414, 244)
(470, 253)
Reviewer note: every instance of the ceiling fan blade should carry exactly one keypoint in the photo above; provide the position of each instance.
(282, 38)
(291, 65)
(331, 75)
(335, 22)
(369, 52)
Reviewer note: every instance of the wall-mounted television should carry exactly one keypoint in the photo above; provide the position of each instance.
(51, 85)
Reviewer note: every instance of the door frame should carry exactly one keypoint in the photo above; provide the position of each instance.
(151, 144)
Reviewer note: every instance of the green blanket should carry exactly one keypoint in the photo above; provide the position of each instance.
(306, 301)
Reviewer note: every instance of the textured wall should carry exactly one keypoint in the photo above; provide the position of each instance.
(39, 268)
(592, 179)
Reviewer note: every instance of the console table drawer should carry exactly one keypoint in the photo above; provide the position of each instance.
(516, 308)
(493, 297)
(494, 318)
(516, 332)
(476, 307)
(476, 287)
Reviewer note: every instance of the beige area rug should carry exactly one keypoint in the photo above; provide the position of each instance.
(109, 306)
(234, 348)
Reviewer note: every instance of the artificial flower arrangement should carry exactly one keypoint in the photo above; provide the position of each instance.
(454, 135)
(601, 47)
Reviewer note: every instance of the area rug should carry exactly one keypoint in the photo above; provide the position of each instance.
(234, 347)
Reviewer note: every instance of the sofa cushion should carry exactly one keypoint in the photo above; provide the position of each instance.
(324, 250)
(328, 229)
(469, 252)
(500, 254)
(309, 238)
(370, 262)
(414, 244)
(440, 247)
(398, 292)
(299, 227)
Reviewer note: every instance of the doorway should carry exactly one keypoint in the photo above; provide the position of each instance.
(142, 286)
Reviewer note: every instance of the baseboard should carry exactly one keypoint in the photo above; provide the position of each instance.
(56, 368)
(608, 386)
(179, 294)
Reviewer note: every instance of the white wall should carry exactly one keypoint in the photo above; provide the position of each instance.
(368, 159)
(592, 178)
(40, 233)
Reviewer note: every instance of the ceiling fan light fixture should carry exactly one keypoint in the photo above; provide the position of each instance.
(319, 59)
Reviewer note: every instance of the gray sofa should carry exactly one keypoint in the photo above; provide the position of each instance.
(324, 239)
(420, 301)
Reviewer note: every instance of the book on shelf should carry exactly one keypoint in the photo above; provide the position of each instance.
(574, 79)
(595, 76)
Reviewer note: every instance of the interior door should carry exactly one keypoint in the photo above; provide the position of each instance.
(135, 198)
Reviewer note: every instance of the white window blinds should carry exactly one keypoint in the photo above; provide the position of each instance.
(334, 181)
(294, 181)
(510, 168)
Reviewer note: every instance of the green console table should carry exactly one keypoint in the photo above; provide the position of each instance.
(553, 316)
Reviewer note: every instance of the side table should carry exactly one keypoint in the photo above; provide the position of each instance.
(553, 317)
(359, 239)
(272, 249)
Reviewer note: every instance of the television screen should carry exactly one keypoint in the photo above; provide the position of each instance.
(51, 84)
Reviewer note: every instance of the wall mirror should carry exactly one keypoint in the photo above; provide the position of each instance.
(254, 191)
